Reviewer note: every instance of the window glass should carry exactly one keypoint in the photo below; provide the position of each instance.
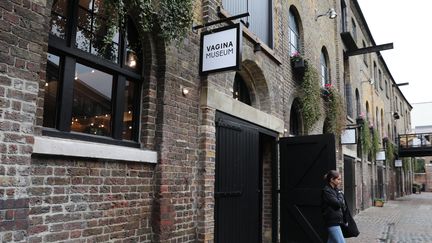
(386, 88)
(241, 92)
(354, 30)
(380, 79)
(51, 90)
(129, 107)
(59, 18)
(259, 21)
(80, 95)
(324, 70)
(294, 34)
(133, 48)
(365, 56)
(92, 102)
(95, 34)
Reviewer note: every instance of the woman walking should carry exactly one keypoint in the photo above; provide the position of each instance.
(332, 207)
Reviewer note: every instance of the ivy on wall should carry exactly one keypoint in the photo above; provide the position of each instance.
(375, 143)
(171, 18)
(335, 111)
(390, 152)
(365, 137)
(310, 98)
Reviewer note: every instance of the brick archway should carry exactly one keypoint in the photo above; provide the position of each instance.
(257, 84)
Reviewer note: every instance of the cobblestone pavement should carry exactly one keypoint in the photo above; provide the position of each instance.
(405, 220)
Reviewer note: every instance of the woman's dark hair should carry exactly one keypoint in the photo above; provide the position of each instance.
(331, 174)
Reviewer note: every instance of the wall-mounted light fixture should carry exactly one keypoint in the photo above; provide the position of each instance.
(185, 91)
(331, 13)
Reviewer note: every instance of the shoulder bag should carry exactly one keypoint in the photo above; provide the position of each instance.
(349, 228)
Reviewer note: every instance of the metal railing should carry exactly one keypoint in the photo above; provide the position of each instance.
(416, 140)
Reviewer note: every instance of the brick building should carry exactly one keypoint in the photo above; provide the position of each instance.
(130, 143)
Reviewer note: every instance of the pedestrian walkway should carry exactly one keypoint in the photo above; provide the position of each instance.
(405, 220)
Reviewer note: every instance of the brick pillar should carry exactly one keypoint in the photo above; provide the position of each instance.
(23, 39)
(206, 172)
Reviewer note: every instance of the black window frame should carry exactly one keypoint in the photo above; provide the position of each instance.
(70, 55)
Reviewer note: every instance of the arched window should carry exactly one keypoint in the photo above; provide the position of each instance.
(377, 120)
(325, 79)
(367, 112)
(388, 132)
(295, 119)
(386, 88)
(382, 123)
(354, 30)
(348, 99)
(358, 104)
(241, 91)
(294, 33)
(380, 79)
(365, 56)
(375, 75)
(93, 73)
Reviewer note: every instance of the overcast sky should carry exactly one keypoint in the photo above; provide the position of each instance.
(408, 25)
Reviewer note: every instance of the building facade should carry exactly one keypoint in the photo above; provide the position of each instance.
(111, 135)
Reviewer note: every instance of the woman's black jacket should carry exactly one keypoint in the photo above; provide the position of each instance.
(332, 206)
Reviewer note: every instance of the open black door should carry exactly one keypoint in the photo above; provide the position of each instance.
(303, 163)
(237, 191)
(349, 183)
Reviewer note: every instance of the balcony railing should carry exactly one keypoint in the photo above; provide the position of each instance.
(417, 144)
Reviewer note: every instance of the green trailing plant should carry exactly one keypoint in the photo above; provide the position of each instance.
(365, 137)
(335, 111)
(390, 151)
(375, 143)
(171, 18)
(419, 166)
(310, 98)
(405, 164)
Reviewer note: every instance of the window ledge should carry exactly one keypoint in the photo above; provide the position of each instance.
(77, 148)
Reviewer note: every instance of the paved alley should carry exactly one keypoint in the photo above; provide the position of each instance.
(407, 219)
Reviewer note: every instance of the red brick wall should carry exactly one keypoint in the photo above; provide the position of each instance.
(98, 201)
(22, 40)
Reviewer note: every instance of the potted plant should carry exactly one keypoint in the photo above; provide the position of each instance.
(360, 119)
(297, 61)
(379, 202)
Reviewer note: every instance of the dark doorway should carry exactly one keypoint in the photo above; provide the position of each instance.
(380, 175)
(303, 162)
(349, 183)
(238, 179)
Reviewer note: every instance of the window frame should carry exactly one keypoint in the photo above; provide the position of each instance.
(70, 55)
(293, 22)
(365, 56)
(325, 69)
(249, 8)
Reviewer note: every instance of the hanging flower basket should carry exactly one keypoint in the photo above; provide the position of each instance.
(360, 120)
(326, 92)
(299, 64)
(297, 61)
